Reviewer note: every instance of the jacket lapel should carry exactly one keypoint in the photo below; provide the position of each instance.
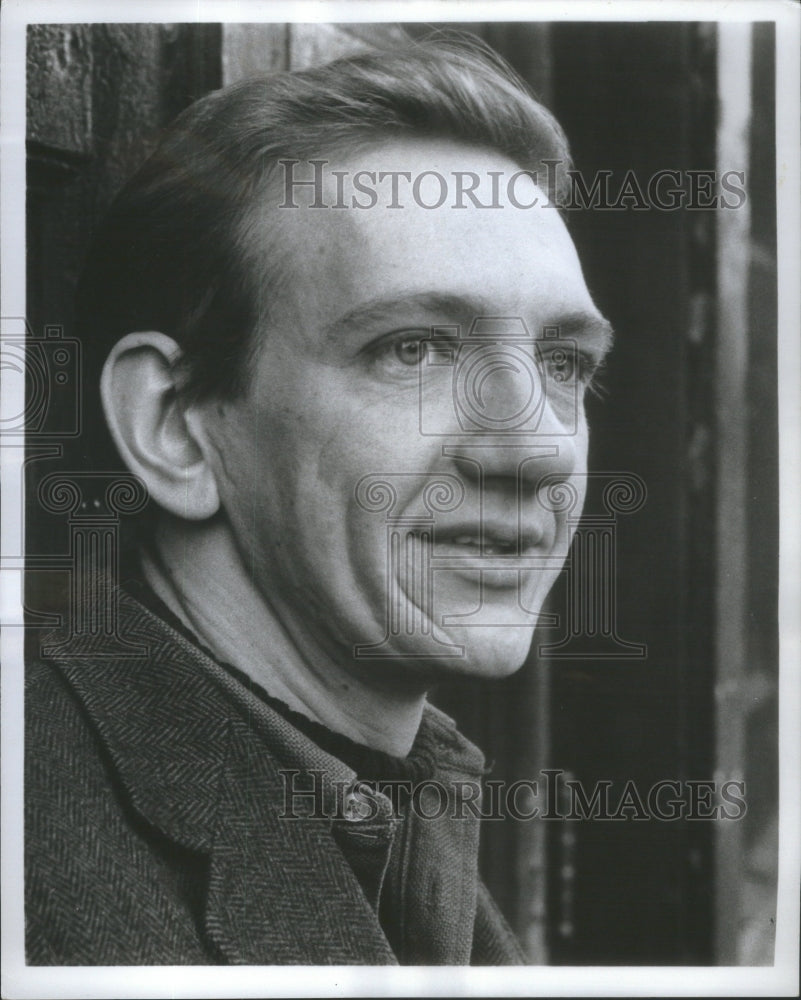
(197, 769)
(280, 890)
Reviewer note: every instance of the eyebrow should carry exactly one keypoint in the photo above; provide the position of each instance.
(583, 325)
(457, 308)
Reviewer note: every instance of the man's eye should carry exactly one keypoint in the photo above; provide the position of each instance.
(410, 350)
(397, 355)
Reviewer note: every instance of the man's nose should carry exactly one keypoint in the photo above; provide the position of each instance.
(518, 428)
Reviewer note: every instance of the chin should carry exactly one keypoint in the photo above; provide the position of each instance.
(488, 653)
(478, 653)
(492, 652)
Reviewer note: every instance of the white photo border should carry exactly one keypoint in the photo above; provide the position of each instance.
(21, 981)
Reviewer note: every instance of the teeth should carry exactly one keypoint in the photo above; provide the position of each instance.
(490, 548)
(497, 550)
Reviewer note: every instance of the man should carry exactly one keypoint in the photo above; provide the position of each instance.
(345, 341)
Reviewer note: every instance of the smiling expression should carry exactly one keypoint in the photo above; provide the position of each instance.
(383, 474)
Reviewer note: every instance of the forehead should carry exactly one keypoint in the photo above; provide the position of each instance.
(517, 260)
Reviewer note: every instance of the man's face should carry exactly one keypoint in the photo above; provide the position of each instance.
(346, 396)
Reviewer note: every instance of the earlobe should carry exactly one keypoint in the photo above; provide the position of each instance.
(150, 428)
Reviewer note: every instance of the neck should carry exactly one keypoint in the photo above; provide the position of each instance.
(196, 569)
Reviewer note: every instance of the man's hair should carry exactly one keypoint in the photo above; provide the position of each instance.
(174, 255)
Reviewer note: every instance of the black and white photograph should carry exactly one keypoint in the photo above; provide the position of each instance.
(400, 443)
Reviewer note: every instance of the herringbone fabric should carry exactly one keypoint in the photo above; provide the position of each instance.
(155, 835)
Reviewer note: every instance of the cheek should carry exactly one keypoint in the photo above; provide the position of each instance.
(360, 437)
(257, 462)
(311, 460)
(582, 444)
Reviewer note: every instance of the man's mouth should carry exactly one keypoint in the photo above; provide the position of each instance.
(500, 556)
(489, 540)
(473, 545)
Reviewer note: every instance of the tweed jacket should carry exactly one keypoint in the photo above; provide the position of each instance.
(154, 829)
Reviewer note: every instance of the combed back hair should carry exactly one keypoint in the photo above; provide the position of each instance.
(176, 254)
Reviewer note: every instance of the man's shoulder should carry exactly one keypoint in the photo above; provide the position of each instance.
(62, 751)
(96, 876)
(154, 827)
(133, 712)
(122, 749)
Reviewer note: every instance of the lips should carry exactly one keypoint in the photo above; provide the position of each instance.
(488, 539)
(489, 548)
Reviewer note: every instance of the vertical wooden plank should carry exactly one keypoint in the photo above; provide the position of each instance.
(253, 50)
(314, 44)
(531, 717)
(59, 70)
(98, 98)
(734, 228)
(624, 95)
(747, 735)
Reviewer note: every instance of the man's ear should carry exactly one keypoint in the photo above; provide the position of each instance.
(151, 428)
